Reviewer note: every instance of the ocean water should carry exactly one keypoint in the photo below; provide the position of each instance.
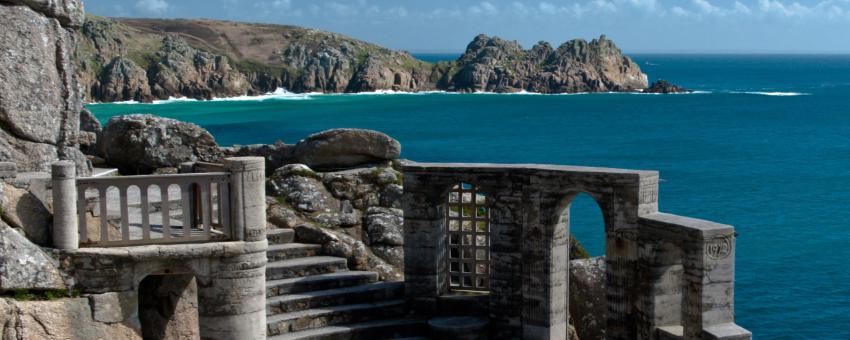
(764, 146)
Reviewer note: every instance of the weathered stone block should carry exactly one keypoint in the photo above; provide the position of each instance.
(114, 306)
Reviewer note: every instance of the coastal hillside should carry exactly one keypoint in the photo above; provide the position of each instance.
(145, 59)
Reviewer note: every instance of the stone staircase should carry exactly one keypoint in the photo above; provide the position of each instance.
(311, 296)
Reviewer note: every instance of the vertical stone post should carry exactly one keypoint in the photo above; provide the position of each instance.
(65, 230)
(232, 298)
(544, 257)
(709, 311)
(247, 198)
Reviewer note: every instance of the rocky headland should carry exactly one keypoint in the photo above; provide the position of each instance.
(123, 59)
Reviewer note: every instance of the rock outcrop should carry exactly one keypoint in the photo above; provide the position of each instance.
(146, 59)
(23, 265)
(345, 148)
(39, 95)
(23, 211)
(142, 143)
(352, 212)
(70, 318)
(588, 302)
(495, 65)
(662, 86)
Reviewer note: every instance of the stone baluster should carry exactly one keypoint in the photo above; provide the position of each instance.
(247, 198)
(65, 229)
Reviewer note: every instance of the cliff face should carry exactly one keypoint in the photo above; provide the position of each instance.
(146, 59)
(39, 95)
(493, 64)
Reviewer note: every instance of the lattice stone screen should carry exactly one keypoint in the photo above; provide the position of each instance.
(468, 239)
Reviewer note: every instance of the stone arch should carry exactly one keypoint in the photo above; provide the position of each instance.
(168, 306)
(564, 208)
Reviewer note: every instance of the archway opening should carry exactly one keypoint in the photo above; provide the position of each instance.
(587, 228)
(587, 279)
(168, 307)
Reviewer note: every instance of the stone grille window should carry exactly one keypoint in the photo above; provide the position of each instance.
(468, 239)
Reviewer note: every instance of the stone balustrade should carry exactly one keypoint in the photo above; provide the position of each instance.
(158, 209)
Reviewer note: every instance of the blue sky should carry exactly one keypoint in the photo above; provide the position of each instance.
(722, 26)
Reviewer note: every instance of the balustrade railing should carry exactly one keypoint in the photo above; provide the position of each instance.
(182, 207)
(158, 209)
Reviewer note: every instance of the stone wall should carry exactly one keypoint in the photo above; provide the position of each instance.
(40, 98)
(529, 228)
(230, 280)
(94, 317)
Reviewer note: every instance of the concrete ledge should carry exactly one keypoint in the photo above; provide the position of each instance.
(455, 168)
(726, 331)
(175, 251)
(693, 227)
(670, 333)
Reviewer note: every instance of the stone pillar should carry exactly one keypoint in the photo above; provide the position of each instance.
(709, 311)
(65, 229)
(232, 299)
(424, 242)
(247, 197)
(545, 268)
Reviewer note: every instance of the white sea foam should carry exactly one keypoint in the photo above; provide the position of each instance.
(283, 94)
(124, 102)
(173, 100)
(387, 92)
(774, 94)
(278, 94)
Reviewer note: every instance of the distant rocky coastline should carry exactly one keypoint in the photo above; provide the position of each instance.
(123, 59)
(662, 86)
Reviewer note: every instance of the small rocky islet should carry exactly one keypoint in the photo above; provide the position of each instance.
(123, 59)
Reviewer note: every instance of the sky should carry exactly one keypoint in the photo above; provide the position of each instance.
(447, 26)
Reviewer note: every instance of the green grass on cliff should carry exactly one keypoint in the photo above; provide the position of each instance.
(43, 295)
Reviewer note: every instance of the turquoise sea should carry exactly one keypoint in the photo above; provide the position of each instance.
(763, 145)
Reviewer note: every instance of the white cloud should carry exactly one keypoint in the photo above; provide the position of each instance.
(741, 8)
(281, 4)
(152, 6)
(341, 9)
(679, 11)
(706, 7)
(547, 8)
(647, 5)
(603, 5)
(485, 8)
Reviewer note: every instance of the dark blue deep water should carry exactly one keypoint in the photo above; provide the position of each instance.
(765, 146)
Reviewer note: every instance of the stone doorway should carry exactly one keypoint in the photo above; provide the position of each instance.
(168, 307)
(585, 221)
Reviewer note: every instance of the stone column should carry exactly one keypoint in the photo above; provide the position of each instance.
(232, 299)
(545, 270)
(65, 230)
(709, 310)
(247, 197)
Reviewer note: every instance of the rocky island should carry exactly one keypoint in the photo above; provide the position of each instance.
(123, 59)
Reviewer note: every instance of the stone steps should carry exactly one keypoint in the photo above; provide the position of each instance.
(379, 291)
(286, 251)
(381, 329)
(335, 315)
(280, 236)
(310, 296)
(304, 266)
(319, 282)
